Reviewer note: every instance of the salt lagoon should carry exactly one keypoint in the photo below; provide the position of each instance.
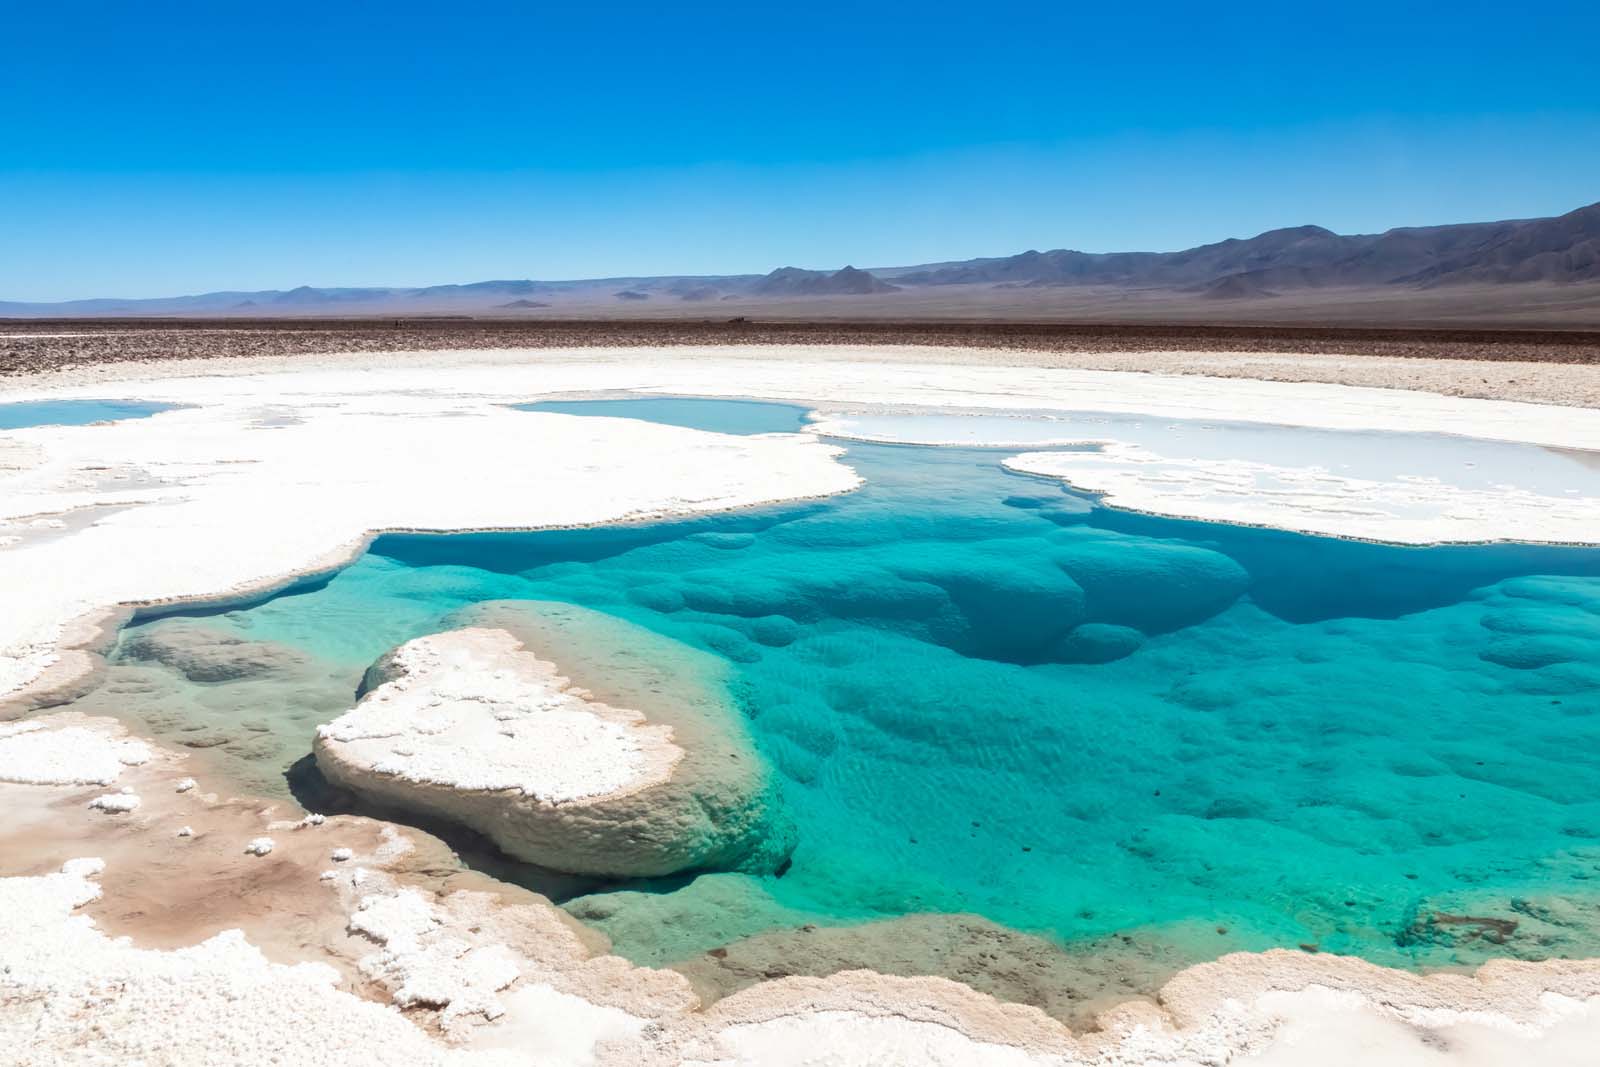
(999, 709)
(986, 694)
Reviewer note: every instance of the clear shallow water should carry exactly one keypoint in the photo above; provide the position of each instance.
(697, 413)
(1459, 461)
(986, 694)
(20, 416)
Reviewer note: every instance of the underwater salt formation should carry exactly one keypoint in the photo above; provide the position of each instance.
(243, 706)
(471, 725)
(203, 654)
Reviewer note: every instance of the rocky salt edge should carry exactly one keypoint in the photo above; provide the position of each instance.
(402, 448)
(438, 975)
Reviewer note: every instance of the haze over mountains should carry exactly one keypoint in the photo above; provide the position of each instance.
(1515, 270)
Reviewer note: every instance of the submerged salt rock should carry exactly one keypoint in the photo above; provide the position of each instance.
(1153, 586)
(468, 725)
(204, 652)
(1098, 642)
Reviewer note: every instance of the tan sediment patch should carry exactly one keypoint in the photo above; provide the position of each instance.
(183, 868)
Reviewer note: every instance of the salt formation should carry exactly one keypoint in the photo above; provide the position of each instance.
(73, 755)
(220, 1001)
(1402, 510)
(468, 725)
(202, 654)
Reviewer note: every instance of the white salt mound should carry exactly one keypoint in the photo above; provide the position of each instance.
(115, 803)
(33, 753)
(259, 846)
(472, 726)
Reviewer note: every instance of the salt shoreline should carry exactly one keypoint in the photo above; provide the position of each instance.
(1235, 1005)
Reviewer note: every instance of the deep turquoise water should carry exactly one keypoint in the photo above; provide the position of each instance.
(987, 694)
(19, 416)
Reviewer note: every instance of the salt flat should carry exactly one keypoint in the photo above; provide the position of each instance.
(265, 476)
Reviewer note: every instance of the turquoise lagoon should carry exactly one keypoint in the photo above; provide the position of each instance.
(987, 694)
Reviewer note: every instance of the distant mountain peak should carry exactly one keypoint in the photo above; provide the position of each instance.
(847, 281)
(1561, 250)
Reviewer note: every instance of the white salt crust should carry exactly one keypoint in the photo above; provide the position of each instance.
(470, 710)
(115, 803)
(1418, 511)
(70, 995)
(31, 755)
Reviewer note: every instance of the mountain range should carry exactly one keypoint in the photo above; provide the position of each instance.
(1279, 270)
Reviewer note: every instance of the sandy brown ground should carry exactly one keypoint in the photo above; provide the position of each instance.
(1551, 367)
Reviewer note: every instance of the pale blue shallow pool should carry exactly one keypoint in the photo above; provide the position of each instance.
(986, 694)
(696, 413)
(21, 415)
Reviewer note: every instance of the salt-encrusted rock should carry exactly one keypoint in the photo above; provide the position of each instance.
(259, 846)
(471, 726)
(185, 831)
(185, 785)
(115, 803)
(341, 854)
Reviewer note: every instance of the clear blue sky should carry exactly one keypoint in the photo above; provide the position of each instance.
(160, 148)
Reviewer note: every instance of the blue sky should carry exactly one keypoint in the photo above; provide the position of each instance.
(161, 148)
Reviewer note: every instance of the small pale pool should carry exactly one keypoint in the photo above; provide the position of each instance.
(22, 415)
(696, 413)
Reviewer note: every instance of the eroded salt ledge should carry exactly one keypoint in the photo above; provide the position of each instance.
(233, 495)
